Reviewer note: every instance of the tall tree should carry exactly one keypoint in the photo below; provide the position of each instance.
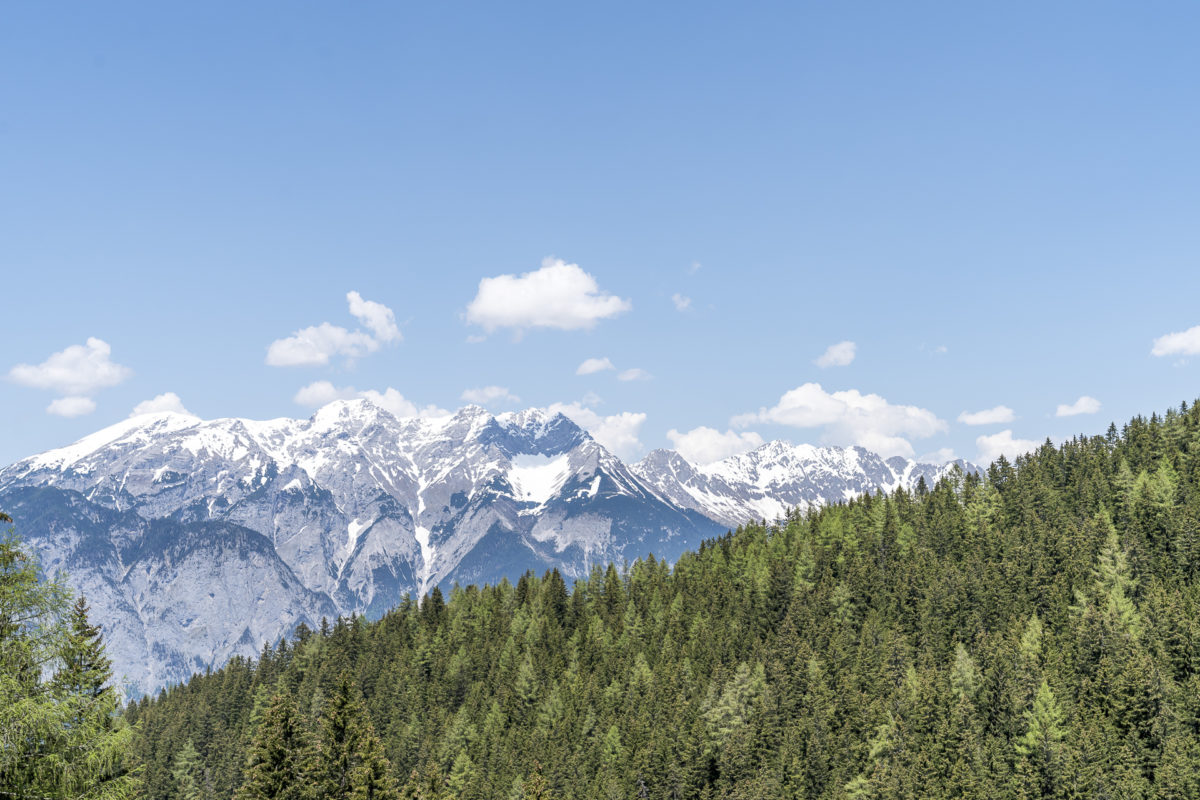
(277, 767)
(349, 761)
(62, 737)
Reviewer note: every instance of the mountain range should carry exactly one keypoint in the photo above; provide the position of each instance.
(196, 540)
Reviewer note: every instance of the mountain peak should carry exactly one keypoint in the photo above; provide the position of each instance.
(349, 407)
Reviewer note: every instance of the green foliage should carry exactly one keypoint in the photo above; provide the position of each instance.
(279, 765)
(61, 735)
(1031, 633)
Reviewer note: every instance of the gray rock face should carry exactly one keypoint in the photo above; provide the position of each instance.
(199, 540)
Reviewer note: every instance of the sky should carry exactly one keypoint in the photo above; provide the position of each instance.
(932, 229)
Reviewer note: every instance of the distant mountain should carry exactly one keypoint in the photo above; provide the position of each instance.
(765, 482)
(197, 540)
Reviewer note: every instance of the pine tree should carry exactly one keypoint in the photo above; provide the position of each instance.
(277, 765)
(63, 737)
(1040, 748)
(349, 761)
(186, 774)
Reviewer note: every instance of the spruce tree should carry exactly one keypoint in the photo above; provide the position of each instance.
(62, 737)
(277, 765)
(349, 761)
(187, 781)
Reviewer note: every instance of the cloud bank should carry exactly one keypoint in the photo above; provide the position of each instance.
(705, 445)
(850, 417)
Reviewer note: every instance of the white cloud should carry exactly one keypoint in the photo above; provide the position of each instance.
(943, 455)
(167, 401)
(489, 394)
(989, 416)
(400, 406)
(1084, 405)
(81, 369)
(682, 302)
(1002, 444)
(1182, 343)
(559, 295)
(849, 417)
(377, 317)
(618, 433)
(320, 393)
(71, 406)
(705, 445)
(694, 268)
(315, 345)
(837, 355)
(591, 365)
(634, 374)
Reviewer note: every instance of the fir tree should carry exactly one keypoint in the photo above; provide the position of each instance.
(62, 738)
(348, 761)
(277, 767)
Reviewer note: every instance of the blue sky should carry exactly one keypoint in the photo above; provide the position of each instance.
(996, 205)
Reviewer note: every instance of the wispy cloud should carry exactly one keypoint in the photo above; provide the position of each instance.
(487, 395)
(593, 365)
(989, 416)
(837, 355)
(71, 406)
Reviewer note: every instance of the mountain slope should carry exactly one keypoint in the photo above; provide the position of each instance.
(764, 483)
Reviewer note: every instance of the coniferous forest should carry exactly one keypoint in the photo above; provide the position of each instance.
(1031, 632)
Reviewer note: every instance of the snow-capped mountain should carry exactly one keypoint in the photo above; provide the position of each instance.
(198, 540)
(764, 483)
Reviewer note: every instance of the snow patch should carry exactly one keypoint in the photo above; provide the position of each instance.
(352, 530)
(535, 479)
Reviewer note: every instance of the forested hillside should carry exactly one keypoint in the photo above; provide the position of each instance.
(1031, 633)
